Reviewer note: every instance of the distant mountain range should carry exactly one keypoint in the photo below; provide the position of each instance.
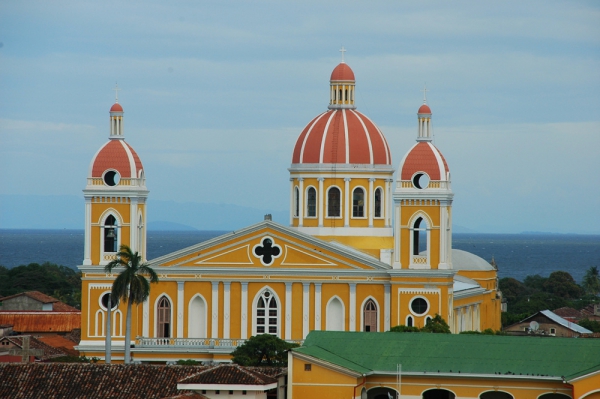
(67, 212)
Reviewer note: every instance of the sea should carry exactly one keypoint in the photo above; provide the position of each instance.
(516, 255)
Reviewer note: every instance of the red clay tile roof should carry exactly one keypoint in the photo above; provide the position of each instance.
(115, 154)
(61, 343)
(342, 137)
(91, 381)
(424, 109)
(424, 157)
(342, 72)
(34, 343)
(270, 371)
(229, 374)
(116, 108)
(41, 321)
(566, 312)
(38, 296)
(188, 395)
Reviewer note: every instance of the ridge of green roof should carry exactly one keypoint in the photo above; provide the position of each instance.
(454, 353)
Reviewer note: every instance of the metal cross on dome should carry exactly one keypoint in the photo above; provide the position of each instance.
(268, 251)
(342, 50)
(116, 89)
(425, 93)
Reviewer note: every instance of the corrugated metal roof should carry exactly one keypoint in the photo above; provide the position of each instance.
(41, 321)
(565, 323)
(453, 353)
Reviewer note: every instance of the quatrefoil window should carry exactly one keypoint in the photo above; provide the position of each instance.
(267, 251)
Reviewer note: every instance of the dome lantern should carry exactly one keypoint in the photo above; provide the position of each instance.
(116, 118)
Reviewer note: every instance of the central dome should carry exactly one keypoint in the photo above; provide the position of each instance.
(342, 135)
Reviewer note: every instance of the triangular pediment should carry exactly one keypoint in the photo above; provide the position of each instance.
(268, 245)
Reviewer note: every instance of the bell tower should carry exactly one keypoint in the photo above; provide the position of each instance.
(115, 197)
(423, 204)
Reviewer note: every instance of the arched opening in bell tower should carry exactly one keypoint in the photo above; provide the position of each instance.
(420, 243)
(111, 231)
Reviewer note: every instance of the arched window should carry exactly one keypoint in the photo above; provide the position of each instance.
(296, 202)
(163, 318)
(378, 203)
(497, 395)
(335, 315)
(419, 236)
(111, 231)
(333, 202)
(197, 318)
(358, 203)
(370, 316)
(311, 202)
(438, 394)
(409, 321)
(554, 396)
(267, 314)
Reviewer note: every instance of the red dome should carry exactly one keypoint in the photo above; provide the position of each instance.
(118, 155)
(342, 136)
(342, 72)
(116, 108)
(424, 109)
(424, 157)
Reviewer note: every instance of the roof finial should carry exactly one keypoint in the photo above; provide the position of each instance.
(116, 89)
(425, 93)
(342, 50)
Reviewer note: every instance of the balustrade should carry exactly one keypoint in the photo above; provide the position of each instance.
(201, 343)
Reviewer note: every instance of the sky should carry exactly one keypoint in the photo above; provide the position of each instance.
(216, 93)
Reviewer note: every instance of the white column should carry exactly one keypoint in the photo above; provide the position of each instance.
(397, 231)
(146, 318)
(321, 210)
(180, 309)
(443, 236)
(288, 310)
(226, 309)
(244, 311)
(387, 202)
(317, 306)
(87, 244)
(214, 309)
(387, 304)
(301, 203)
(371, 201)
(305, 309)
(347, 195)
(352, 306)
(133, 224)
(291, 201)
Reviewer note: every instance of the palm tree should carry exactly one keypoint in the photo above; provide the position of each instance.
(131, 285)
(591, 281)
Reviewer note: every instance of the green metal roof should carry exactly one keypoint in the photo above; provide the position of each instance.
(454, 353)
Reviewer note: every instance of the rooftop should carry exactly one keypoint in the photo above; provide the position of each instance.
(376, 353)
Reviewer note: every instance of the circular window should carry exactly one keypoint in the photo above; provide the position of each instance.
(104, 301)
(419, 306)
(112, 178)
(420, 180)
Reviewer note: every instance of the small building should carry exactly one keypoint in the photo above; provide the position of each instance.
(442, 366)
(546, 323)
(233, 381)
(38, 314)
(40, 350)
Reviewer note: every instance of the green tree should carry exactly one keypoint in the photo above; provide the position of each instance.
(535, 282)
(512, 289)
(436, 325)
(591, 281)
(131, 285)
(562, 284)
(262, 350)
(403, 328)
(592, 325)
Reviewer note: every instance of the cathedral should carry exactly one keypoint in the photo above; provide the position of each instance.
(362, 251)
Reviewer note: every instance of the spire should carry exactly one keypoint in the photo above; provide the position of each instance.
(342, 86)
(424, 116)
(116, 118)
